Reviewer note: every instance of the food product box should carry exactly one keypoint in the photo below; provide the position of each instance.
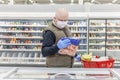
(74, 41)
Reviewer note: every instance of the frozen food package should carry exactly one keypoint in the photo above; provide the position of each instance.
(72, 49)
(75, 41)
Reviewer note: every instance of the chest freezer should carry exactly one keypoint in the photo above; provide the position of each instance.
(33, 73)
(4, 70)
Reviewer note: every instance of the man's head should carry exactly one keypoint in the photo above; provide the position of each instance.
(61, 17)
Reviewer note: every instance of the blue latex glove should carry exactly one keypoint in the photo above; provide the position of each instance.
(63, 43)
(78, 58)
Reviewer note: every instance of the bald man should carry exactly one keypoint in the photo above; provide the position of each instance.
(52, 42)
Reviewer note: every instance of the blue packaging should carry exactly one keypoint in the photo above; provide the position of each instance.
(73, 41)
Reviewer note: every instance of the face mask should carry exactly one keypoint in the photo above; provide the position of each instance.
(61, 24)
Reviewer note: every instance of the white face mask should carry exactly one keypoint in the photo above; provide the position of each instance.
(61, 24)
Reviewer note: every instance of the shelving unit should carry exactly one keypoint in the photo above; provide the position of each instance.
(79, 29)
(97, 36)
(21, 36)
(113, 38)
(109, 26)
(21, 40)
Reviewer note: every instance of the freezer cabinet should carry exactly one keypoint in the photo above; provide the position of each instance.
(4, 71)
(33, 73)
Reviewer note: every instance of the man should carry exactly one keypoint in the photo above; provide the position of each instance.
(52, 42)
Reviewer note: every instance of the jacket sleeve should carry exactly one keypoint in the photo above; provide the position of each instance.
(48, 45)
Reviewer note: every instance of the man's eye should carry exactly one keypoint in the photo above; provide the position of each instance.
(62, 20)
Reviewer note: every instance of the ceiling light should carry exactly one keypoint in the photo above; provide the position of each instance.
(80, 2)
(51, 1)
(1, 1)
(92, 1)
(11, 2)
(31, 1)
(114, 1)
(72, 1)
(97, 2)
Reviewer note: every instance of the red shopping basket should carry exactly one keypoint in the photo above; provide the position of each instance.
(98, 64)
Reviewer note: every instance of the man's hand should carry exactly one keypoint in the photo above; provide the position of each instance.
(72, 50)
(78, 58)
(63, 43)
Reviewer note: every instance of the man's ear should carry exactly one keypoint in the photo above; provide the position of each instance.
(54, 19)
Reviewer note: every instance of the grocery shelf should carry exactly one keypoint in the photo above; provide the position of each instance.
(83, 50)
(114, 38)
(21, 43)
(78, 31)
(21, 37)
(97, 26)
(77, 25)
(82, 44)
(113, 26)
(38, 50)
(81, 37)
(113, 44)
(23, 25)
(113, 32)
(96, 49)
(115, 50)
(97, 44)
(97, 38)
(17, 31)
(97, 32)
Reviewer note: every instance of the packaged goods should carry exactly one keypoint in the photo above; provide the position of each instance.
(70, 50)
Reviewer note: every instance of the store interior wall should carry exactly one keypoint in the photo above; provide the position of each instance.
(88, 7)
(40, 8)
(103, 7)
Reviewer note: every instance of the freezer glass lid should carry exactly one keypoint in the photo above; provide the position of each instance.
(63, 73)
